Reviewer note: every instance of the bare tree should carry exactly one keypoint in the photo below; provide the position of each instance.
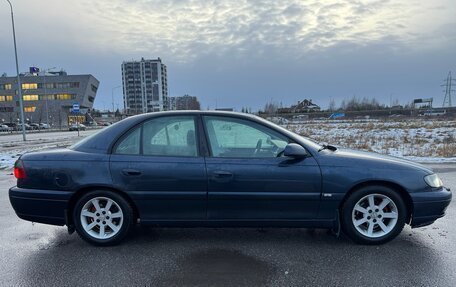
(332, 105)
(271, 108)
(356, 104)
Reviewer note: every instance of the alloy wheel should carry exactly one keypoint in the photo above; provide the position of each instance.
(101, 217)
(375, 215)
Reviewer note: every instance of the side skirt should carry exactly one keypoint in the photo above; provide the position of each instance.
(312, 223)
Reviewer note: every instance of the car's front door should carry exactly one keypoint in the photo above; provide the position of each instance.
(250, 180)
(158, 164)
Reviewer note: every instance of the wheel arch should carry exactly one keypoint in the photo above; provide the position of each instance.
(74, 198)
(394, 186)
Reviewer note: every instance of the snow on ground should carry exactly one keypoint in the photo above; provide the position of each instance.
(12, 145)
(7, 161)
(416, 139)
(8, 158)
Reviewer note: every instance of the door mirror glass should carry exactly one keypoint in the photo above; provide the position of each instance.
(294, 150)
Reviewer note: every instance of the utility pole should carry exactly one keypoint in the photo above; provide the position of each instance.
(448, 83)
(19, 85)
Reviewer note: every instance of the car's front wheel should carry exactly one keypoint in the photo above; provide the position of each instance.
(373, 215)
(102, 217)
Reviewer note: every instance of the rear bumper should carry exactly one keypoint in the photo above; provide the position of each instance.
(43, 206)
(429, 206)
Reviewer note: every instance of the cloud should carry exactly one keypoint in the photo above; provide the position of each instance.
(185, 30)
(188, 30)
(265, 47)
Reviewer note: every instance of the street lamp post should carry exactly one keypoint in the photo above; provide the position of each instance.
(112, 96)
(19, 85)
(45, 95)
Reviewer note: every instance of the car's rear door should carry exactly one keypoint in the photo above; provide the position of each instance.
(249, 179)
(159, 165)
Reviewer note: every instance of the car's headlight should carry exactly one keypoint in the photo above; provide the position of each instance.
(433, 180)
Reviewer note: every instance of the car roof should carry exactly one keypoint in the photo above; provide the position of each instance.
(197, 112)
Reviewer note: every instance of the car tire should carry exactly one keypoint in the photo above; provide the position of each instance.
(373, 215)
(102, 218)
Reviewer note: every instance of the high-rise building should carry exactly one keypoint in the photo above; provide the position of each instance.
(48, 97)
(145, 86)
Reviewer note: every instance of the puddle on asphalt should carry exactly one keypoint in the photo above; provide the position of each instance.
(219, 267)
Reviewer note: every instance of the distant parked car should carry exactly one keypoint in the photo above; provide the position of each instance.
(91, 124)
(34, 126)
(75, 127)
(13, 126)
(5, 128)
(44, 126)
(27, 127)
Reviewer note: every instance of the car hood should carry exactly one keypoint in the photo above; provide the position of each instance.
(349, 157)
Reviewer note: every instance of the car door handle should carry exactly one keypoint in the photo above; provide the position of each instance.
(222, 174)
(131, 172)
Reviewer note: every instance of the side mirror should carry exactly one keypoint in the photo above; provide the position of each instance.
(294, 150)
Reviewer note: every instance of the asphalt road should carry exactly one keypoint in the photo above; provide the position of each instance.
(41, 255)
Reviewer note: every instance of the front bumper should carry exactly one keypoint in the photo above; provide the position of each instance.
(43, 206)
(429, 206)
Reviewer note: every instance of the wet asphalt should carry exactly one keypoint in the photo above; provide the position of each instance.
(42, 255)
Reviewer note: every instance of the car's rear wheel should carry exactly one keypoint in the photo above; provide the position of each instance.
(373, 215)
(102, 217)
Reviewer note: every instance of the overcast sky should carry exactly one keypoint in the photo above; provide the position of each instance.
(244, 53)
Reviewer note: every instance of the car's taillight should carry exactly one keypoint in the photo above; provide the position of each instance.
(19, 170)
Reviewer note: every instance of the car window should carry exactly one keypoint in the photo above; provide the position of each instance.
(170, 136)
(230, 137)
(130, 144)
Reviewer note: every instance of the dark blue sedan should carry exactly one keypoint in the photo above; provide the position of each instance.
(207, 169)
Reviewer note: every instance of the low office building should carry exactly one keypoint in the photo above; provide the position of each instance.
(47, 97)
